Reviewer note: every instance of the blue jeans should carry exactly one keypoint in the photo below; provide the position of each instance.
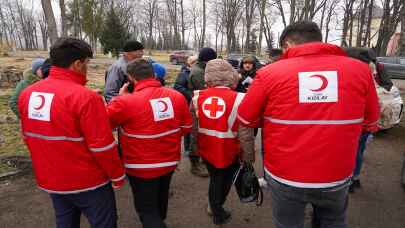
(360, 154)
(97, 205)
(330, 205)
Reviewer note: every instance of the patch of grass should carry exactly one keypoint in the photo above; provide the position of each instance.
(11, 140)
(171, 77)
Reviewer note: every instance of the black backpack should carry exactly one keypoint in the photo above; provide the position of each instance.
(247, 185)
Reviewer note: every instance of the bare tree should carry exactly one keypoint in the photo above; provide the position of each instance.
(231, 14)
(262, 10)
(250, 7)
(390, 20)
(50, 20)
(367, 36)
(402, 38)
(44, 31)
(150, 11)
(204, 25)
(280, 8)
(330, 12)
(347, 20)
(63, 17)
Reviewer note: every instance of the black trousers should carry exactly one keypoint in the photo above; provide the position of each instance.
(151, 197)
(97, 205)
(220, 185)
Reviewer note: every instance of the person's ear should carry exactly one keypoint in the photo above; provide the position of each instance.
(76, 66)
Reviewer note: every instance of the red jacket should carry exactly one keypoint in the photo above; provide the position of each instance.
(313, 103)
(66, 129)
(216, 109)
(152, 121)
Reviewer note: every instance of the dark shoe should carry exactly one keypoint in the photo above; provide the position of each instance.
(222, 219)
(198, 169)
(355, 184)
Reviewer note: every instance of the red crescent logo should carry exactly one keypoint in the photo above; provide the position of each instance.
(165, 106)
(42, 102)
(324, 82)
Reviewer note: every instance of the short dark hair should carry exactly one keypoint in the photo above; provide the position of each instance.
(301, 32)
(140, 69)
(66, 51)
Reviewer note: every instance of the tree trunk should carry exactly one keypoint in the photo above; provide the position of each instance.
(262, 10)
(63, 17)
(50, 20)
(183, 26)
(362, 21)
(366, 40)
(402, 38)
(204, 25)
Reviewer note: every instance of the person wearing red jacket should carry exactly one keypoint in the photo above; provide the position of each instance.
(65, 127)
(219, 138)
(151, 122)
(313, 105)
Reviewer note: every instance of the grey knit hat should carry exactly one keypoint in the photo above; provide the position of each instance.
(219, 72)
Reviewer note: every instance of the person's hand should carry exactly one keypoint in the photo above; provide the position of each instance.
(124, 89)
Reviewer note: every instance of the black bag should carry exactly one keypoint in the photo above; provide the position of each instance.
(247, 185)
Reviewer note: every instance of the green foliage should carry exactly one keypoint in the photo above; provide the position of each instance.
(114, 33)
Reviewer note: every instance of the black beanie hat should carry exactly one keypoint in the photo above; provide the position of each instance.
(132, 45)
(206, 54)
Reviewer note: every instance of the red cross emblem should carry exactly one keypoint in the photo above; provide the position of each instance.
(214, 107)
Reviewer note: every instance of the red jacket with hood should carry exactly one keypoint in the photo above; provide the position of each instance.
(313, 104)
(66, 129)
(152, 121)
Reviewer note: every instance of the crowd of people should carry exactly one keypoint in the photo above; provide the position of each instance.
(312, 102)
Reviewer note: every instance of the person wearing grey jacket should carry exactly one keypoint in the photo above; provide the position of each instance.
(116, 75)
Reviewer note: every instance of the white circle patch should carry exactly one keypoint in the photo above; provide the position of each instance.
(214, 107)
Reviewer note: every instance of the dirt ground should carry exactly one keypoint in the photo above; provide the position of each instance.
(380, 203)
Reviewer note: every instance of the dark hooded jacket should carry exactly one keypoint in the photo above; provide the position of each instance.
(247, 76)
(181, 83)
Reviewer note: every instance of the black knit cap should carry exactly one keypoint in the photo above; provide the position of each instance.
(206, 54)
(132, 45)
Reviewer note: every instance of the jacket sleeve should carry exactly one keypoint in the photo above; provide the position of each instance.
(247, 143)
(196, 79)
(250, 111)
(372, 111)
(181, 85)
(13, 102)
(186, 121)
(116, 112)
(194, 131)
(115, 79)
(99, 139)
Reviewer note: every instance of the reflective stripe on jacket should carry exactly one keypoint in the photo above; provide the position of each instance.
(313, 105)
(216, 110)
(66, 129)
(152, 121)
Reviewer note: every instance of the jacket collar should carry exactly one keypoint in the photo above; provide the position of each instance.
(314, 48)
(66, 74)
(147, 83)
